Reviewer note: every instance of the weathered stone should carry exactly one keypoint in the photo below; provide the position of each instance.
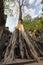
(4, 41)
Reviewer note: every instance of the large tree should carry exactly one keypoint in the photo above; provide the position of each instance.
(20, 45)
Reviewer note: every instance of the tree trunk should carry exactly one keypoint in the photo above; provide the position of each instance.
(18, 45)
(20, 13)
(30, 46)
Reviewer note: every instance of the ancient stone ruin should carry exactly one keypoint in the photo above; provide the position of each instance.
(20, 45)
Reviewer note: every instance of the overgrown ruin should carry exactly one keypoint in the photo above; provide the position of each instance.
(21, 44)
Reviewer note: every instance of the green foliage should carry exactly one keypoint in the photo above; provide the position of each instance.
(7, 7)
(34, 24)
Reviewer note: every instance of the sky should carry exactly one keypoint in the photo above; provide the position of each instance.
(34, 11)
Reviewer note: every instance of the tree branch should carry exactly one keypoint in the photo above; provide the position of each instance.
(22, 3)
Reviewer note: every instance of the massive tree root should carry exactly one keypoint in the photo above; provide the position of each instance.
(20, 47)
(36, 45)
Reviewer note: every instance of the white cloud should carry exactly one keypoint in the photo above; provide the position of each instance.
(40, 11)
(11, 23)
(31, 1)
(38, 2)
(32, 12)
